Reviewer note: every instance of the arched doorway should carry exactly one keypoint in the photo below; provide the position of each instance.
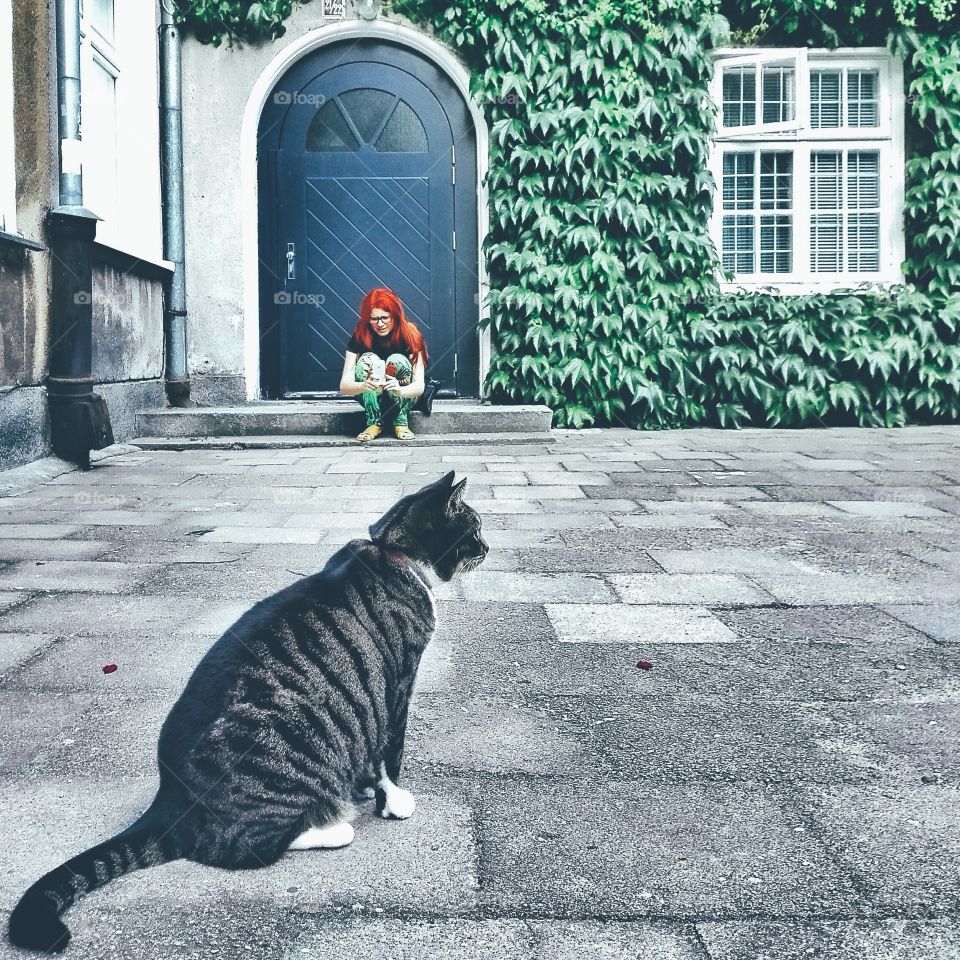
(367, 177)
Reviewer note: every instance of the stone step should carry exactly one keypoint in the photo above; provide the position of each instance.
(294, 441)
(335, 418)
(341, 418)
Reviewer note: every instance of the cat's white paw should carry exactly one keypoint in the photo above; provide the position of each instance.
(330, 837)
(369, 792)
(400, 804)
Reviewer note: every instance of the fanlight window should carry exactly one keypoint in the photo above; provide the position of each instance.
(366, 116)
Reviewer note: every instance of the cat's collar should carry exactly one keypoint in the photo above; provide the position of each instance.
(418, 568)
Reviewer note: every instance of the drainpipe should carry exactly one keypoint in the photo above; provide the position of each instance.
(171, 165)
(79, 419)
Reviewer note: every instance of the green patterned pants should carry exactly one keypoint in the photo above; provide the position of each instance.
(383, 408)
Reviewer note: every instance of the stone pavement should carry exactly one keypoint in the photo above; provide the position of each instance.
(782, 784)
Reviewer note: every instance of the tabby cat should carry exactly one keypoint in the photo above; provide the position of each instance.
(296, 711)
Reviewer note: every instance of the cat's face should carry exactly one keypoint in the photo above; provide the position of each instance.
(435, 526)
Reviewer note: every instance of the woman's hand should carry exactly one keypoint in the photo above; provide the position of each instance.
(392, 385)
(365, 386)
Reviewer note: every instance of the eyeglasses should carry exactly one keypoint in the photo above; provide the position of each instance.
(380, 320)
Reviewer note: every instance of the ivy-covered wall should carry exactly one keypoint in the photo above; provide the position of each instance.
(604, 302)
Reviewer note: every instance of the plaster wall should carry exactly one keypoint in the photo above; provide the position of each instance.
(127, 325)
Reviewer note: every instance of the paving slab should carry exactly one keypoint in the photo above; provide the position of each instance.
(537, 587)
(390, 865)
(754, 742)
(702, 589)
(893, 939)
(623, 623)
(54, 549)
(82, 576)
(633, 850)
(901, 842)
(836, 625)
(803, 589)
(18, 647)
(939, 621)
(582, 559)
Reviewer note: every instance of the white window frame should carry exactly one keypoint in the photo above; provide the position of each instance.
(98, 52)
(8, 168)
(122, 179)
(801, 139)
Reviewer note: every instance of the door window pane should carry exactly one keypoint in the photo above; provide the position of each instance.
(403, 133)
(367, 108)
(328, 131)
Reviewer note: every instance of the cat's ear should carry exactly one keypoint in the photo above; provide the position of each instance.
(456, 494)
(439, 487)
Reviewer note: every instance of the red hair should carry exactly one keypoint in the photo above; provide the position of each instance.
(404, 337)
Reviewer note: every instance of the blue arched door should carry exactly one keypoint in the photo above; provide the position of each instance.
(367, 179)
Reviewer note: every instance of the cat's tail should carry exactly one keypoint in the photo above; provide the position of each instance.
(35, 922)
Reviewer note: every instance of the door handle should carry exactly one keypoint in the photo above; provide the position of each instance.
(291, 262)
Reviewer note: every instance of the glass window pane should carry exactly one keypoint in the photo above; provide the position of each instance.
(737, 243)
(779, 94)
(863, 180)
(328, 131)
(863, 98)
(739, 96)
(737, 181)
(826, 243)
(825, 185)
(100, 14)
(863, 242)
(403, 133)
(776, 180)
(776, 243)
(367, 109)
(99, 133)
(825, 98)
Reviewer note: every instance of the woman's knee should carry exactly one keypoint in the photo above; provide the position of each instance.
(400, 367)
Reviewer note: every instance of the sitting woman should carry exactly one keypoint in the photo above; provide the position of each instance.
(384, 365)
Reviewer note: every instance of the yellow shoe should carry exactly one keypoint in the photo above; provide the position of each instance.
(402, 432)
(371, 433)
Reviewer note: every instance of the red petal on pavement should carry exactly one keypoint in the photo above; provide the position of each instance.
(109, 667)
(644, 664)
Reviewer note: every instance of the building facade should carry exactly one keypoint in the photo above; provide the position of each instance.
(345, 155)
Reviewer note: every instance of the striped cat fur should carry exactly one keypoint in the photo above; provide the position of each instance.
(297, 711)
